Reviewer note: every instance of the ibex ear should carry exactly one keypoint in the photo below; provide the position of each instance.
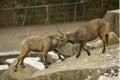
(59, 37)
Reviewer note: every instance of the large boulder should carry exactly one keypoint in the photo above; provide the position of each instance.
(70, 49)
(21, 74)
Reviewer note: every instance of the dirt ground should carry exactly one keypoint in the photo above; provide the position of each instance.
(11, 37)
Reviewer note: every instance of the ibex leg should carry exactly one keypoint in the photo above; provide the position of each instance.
(17, 62)
(45, 58)
(106, 38)
(82, 44)
(87, 51)
(22, 60)
(104, 43)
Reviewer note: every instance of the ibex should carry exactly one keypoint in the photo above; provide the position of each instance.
(39, 44)
(88, 32)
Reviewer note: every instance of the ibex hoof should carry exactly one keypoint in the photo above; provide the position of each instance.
(15, 70)
(46, 66)
(23, 66)
(77, 56)
(89, 54)
(62, 59)
(103, 51)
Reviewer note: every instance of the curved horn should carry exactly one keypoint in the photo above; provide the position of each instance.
(59, 31)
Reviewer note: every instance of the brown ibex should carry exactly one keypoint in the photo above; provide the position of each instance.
(88, 32)
(39, 44)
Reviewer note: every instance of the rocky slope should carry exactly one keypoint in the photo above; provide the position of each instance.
(98, 66)
(94, 67)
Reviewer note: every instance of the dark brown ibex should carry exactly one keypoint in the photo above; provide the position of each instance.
(36, 43)
(88, 32)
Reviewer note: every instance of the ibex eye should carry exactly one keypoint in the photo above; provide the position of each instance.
(61, 37)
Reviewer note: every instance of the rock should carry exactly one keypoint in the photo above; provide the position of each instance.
(1, 72)
(52, 57)
(4, 67)
(113, 39)
(70, 49)
(21, 74)
(93, 67)
(113, 18)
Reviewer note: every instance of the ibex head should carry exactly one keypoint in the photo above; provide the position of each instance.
(68, 37)
(64, 36)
